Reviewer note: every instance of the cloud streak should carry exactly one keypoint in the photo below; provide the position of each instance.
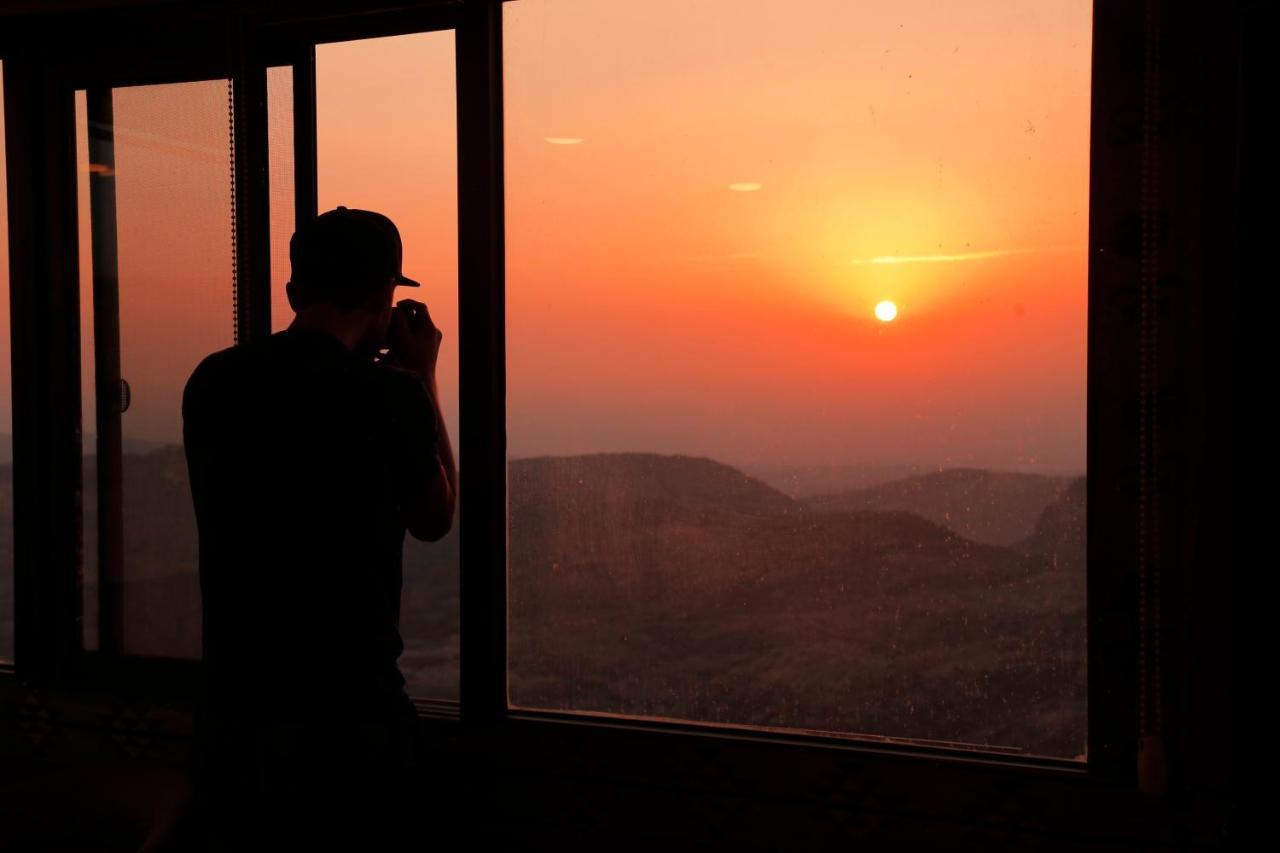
(965, 256)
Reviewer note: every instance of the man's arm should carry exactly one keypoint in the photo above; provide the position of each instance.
(430, 511)
(430, 497)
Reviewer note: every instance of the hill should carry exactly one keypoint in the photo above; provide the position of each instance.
(1060, 530)
(995, 507)
(646, 601)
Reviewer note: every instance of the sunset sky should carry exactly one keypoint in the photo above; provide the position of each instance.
(654, 305)
(705, 203)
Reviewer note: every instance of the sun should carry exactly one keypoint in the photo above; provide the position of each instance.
(886, 311)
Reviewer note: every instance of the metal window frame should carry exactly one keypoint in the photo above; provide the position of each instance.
(40, 143)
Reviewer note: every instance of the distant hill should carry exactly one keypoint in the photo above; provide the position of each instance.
(640, 483)
(1060, 530)
(994, 507)
(130, 445)
(806, 481)
(698, 592)
(159, 519)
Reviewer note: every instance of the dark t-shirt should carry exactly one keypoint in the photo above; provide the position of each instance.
(300, 457)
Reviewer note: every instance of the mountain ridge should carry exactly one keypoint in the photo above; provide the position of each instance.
(993, 507)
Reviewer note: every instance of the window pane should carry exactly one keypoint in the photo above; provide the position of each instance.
(173, 226)
(386, 141)
(280, 166)
(796, 334)
(6, 412)
(88, 392)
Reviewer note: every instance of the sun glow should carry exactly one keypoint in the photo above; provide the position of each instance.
(886, 311)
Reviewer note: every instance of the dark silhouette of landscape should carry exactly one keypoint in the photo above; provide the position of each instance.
(941, 607)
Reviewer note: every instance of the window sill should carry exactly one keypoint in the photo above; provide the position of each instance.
(617, 767)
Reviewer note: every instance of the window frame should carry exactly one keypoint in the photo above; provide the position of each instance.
(39, 104)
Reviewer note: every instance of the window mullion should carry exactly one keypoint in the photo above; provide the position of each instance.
(106, 359)
(482, 364)
(305, 183)
(44, 268)
(251, 215)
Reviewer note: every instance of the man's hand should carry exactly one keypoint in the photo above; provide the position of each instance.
(430, 510)
(417, 340)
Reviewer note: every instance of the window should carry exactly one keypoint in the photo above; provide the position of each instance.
(157, 295)
(558, 167)
(155, 167)
(796, 355)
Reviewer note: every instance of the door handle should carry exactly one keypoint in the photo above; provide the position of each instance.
(126, 395)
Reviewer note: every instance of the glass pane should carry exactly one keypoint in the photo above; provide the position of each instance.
(88, 392)
(386, 141)
(174, 242)
(280, 166)
(6, 412)
(796, 326)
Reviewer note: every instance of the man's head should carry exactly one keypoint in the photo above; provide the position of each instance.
(346, 265)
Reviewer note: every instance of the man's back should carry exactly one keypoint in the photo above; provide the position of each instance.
(300, 457)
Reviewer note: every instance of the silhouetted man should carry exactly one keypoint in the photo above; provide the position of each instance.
(310, 454)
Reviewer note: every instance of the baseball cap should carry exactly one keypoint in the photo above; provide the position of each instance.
(347, 247)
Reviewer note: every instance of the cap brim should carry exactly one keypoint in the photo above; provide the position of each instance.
(402, 281)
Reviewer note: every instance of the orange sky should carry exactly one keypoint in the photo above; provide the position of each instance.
(650, 305)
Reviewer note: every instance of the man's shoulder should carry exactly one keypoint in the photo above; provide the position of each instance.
(217, 364)
(239, 357)
(209, 368)
(224, 368)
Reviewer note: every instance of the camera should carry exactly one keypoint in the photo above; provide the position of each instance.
(393, 326)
